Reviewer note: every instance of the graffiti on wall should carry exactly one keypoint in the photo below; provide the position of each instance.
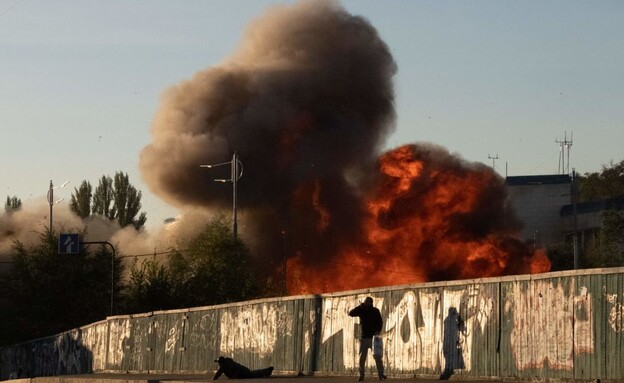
(176, 329)
(253, 329)
(616, 313)
(481, 329)
(310, 335)
(583, 322)
(541, 314)
(416, 333)
(94, 339)
(119, 337)
(335, 319)
(201, 334)
(401, 335)
(68, 361)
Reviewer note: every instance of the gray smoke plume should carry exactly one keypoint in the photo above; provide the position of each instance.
(307, 95)
(306, 101)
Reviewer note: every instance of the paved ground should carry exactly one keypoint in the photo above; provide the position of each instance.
(180, 378)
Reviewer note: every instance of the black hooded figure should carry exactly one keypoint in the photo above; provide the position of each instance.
(371, 324)
(234, 370)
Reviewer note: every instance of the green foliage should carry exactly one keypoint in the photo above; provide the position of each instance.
(608, 246)
(116, 199)
(103, 198)
(215, 268)
(150, 288)
(609, 183)
(608, 249)
(127, 202)
(47, 293)
(81, 200)
(12, 204)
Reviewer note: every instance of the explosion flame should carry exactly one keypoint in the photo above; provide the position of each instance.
(307, 102)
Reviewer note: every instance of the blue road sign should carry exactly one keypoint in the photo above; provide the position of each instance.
(69, 243)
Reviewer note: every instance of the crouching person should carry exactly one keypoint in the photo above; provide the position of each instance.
(234, 370)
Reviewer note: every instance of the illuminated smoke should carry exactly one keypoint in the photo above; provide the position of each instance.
(307, 102)
(430, 216)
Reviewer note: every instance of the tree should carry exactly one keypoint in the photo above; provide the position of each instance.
(81, 200)
(116, 199)
(607, 184)
(103, 198)
(12, 204)
(215, 268)
(149, 288)
(47, 293)
(608, 248)
(127, 202)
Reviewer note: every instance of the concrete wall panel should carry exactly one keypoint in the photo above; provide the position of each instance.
(94, 340)
(539, 319)
(589, 333)
(119, 343)
(613, 322)
(565, 325)
(201, 340)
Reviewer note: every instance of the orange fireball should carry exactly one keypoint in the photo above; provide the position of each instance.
(429, 216)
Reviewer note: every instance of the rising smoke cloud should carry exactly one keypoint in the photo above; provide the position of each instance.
(307, 95)
(307, 102)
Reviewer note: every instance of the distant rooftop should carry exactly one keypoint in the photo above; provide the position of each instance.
(551, 179)
(592, 206)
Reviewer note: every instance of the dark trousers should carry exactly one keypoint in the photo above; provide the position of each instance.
(365, 345)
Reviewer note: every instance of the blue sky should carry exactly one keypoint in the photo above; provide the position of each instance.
(80, 81)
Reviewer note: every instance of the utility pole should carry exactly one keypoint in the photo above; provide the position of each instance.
(574, 212)
(234, 179)
(564, 146)
(51, 200)
(493, 158)
(236, 173)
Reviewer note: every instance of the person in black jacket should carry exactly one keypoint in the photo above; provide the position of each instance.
(371, 325)
(234, 370)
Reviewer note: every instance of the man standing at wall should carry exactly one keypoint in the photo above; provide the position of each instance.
(371, 325)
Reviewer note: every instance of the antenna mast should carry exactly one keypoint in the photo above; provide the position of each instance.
(564, 151)
(493, 158)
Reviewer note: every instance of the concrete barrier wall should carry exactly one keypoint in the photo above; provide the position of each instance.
(565, 325)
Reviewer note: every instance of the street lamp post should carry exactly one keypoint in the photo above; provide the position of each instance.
(236, 173)
(51, 200)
